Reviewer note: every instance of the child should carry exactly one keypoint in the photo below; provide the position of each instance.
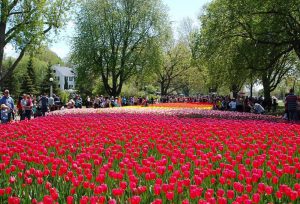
(4, 113)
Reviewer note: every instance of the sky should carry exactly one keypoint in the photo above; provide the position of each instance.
(178, 10)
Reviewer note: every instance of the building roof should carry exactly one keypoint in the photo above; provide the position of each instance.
(65, 71)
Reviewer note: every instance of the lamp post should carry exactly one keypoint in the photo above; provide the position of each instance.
(51, 88)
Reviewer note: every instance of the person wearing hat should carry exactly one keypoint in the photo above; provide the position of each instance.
(9, 103)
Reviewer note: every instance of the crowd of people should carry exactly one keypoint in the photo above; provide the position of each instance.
(106, 102)
(29, 106)
(259, 105)
(245, 104)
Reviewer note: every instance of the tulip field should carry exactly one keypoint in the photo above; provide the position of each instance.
(148, 155)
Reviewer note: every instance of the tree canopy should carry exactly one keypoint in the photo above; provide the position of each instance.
(113, 38)
(243, 41)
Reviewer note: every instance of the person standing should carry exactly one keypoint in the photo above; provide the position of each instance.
(28, 107)
(19, 107)
(88, 102)
(23, 105)
(51, 103)
(44, 104)
(56, 102)
(291, 103)
(274, 105)
(9, 102)
(232, 105)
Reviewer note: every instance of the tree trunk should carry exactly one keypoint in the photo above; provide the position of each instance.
(163, 90)
(234, 89)
(267, 88)
(2, 45)
(116, 88)
(251, 89)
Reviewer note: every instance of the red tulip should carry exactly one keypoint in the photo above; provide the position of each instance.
(170, 195)
(135, 200)
(220, 192)
(84, 200)
(8, 190)
(47, 199)
(34, 201)
(261, 187)
(186, 201)
(269, 190)
(279, 194)
(157, 201)
(14, 200)
(222, 200)
(2, 191)
(256, 198)
(117, 192)
(70, 200)
(230, 194)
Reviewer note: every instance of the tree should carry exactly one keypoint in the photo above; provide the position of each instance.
(40, 61)
(275, 23)
(11, 82)
(27, 85)
(45, 85)
(25, 24)
(233, 55)
(31, 72)
(112, 38)
(176, 60)
(275, 71)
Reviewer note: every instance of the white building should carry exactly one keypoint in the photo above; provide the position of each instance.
(65, 77)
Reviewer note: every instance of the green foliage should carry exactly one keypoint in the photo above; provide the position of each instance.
(27, 86)
(30, 74)
(113, 39)
(176, 60)
(244, 41)
(46, 83)
(44, 54)
(64, 97)
(98, 88)
(25, 25)
(11, 82)
(38, 70)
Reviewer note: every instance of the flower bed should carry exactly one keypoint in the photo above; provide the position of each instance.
(203, 106)
(146, 158)
(182, 112)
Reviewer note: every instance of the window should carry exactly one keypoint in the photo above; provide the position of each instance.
(58, 85)
(70, 78)
(70, 86)
(57, 77)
